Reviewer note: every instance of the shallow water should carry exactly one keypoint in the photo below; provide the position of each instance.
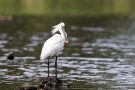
(100, 56)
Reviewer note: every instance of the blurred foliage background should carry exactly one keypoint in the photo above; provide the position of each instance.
(67, 7)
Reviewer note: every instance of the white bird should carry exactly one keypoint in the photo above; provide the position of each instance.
(54, 44)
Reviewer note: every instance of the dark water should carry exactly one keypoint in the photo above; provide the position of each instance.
(100, 55)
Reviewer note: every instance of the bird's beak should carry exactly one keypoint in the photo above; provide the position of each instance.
(53, 31)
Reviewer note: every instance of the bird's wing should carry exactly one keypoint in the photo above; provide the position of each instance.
(52, 46)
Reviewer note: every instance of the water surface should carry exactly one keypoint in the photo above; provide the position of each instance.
(100, 55)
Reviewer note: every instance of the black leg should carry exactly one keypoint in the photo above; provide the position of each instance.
(48, 67)
(56, 67)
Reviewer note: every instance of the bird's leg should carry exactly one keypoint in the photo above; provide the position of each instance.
(48, 67)
(56, 67)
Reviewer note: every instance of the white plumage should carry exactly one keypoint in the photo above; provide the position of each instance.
(54, 44)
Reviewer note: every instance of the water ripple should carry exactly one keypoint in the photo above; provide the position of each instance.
(95, 57)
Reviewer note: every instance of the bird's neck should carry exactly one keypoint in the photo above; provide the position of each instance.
(62, 33)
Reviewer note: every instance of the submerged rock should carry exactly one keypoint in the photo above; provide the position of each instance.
(51, 83)
(28, 86)
(10, 55)
(46, 83)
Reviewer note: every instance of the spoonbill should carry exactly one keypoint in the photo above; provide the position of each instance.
(54, 45)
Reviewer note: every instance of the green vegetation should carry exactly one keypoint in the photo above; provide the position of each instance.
(67, 7)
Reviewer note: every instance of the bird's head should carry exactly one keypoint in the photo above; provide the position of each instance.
(57, 27)
(62, 24)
